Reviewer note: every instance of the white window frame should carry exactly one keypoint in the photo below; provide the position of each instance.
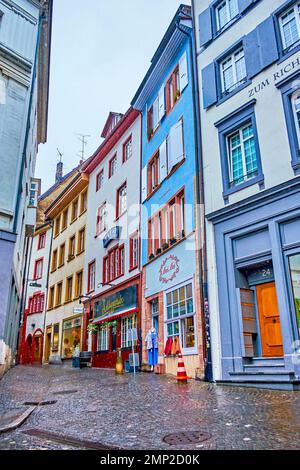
(127, 323)
(296, 9)
(102, 339)
(122, 197)
(294, 98)
(229, 153)
(229, 17)
(128, 151)
(185, 351)
(233, 63)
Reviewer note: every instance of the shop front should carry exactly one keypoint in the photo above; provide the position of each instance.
(172, 307)
(115, 315)
(258, 267)
(71, 336)
(61, 339)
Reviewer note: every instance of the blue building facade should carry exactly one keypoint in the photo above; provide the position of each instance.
(248, 58)
(169, 237)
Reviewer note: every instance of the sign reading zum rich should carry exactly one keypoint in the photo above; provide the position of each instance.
(123, 300)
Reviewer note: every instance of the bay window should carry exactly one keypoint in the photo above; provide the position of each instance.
(180, 316)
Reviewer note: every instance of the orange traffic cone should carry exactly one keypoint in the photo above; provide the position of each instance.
(181, 372)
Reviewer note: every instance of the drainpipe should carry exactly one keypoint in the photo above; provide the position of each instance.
(208, 376)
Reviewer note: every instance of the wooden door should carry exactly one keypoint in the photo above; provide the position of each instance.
(270, 328)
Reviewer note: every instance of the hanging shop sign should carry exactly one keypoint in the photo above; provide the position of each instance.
(112, 234)
(121, 301)
(78, 310)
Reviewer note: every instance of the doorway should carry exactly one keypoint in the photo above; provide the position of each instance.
(269, 320)
(47, 346)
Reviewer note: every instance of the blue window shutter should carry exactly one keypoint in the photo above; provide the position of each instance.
(209, 85)
(205, 27)
(267, 42)
(244, 4)
(251, 51)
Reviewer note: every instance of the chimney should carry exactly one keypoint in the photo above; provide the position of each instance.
(59, 172)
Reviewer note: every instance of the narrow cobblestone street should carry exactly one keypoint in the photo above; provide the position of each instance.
(130, 412)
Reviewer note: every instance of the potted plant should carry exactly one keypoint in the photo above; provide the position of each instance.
(165, 246)
(151, 256)
(92, 328)
(158, 251)
(173, 240)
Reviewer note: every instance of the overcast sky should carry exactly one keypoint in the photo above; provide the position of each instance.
(101, 51)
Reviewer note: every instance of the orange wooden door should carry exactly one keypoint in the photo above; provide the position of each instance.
(269, 320)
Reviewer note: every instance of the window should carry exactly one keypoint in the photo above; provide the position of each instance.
(69, 289)
(78, 284)
(71, 337)
(102, 339)
(153, 173)
(58, 294)
(51, 298)
(91, 276)
(38, 268)
(233, 71)
(154, 313)
(295, 101)
(54, 261)
(62, 251)
(180, 314)
(83, 202)
(153, 118)
(57, 226)
(101, 219)
(113, 264)
(289, 23)
(72, 243)
(167, 226)
(55, 337)
(42, 240)
(36, 303)
(239, 151)
(121, 200)
(74, 214)
(81, 241)
(173, 89)
(225, 12)
(99, 180)
(112, 166)
(33, 194)
(127, 149)
(294, 263)
(134, 251)
(242, 155)
(291, 104)
(127, 324)
(65, 219)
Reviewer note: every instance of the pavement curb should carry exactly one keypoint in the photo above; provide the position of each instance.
(18, 421)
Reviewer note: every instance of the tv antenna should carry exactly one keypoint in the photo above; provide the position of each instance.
(84, 142)
(60, 155)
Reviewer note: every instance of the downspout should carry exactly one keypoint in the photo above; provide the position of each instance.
(208, 376)
(28, 125)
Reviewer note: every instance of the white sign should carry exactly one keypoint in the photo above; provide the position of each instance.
(78, 310)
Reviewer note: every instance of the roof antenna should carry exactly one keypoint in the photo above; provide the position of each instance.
(84, 142)
(59, 167)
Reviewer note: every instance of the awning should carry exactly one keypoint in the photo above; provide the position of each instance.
(107, 318)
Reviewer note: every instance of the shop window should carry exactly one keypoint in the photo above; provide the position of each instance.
(112, 166)
(55, 337)
(72, 244)
(38, 269)
(83, 202)
(127, 149)
(74, 212)
(127, 324)
(180, 316)
(81, 241)
(155, 313)
(91, 276)
(99, 180)
(78, 284)
(134, 251)
(62, 251)
(69, 289)
(42, 240)
(71, 336)
(102, 339)
(54, 261)
(51, 298)
(65, 219)
(121, 200)
(294, 264)
(58, 294)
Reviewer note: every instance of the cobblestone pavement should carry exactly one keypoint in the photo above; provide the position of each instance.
(137, 412)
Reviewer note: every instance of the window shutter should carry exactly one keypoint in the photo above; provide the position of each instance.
(260, 47)
(175, 145)
(161, 103)
(244, 4)
(246, 305)
(144, 183)
(205, 27)
(163, 165)
(209, 85)
(183, 73)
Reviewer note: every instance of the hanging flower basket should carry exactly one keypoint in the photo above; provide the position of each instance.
(92, 328)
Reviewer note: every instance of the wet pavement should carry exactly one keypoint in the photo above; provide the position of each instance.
(93, 407)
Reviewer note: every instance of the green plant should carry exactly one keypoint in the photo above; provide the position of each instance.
(173, 240)
(151, 256)
(158, 251)
(165, 246)
(92, 328)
